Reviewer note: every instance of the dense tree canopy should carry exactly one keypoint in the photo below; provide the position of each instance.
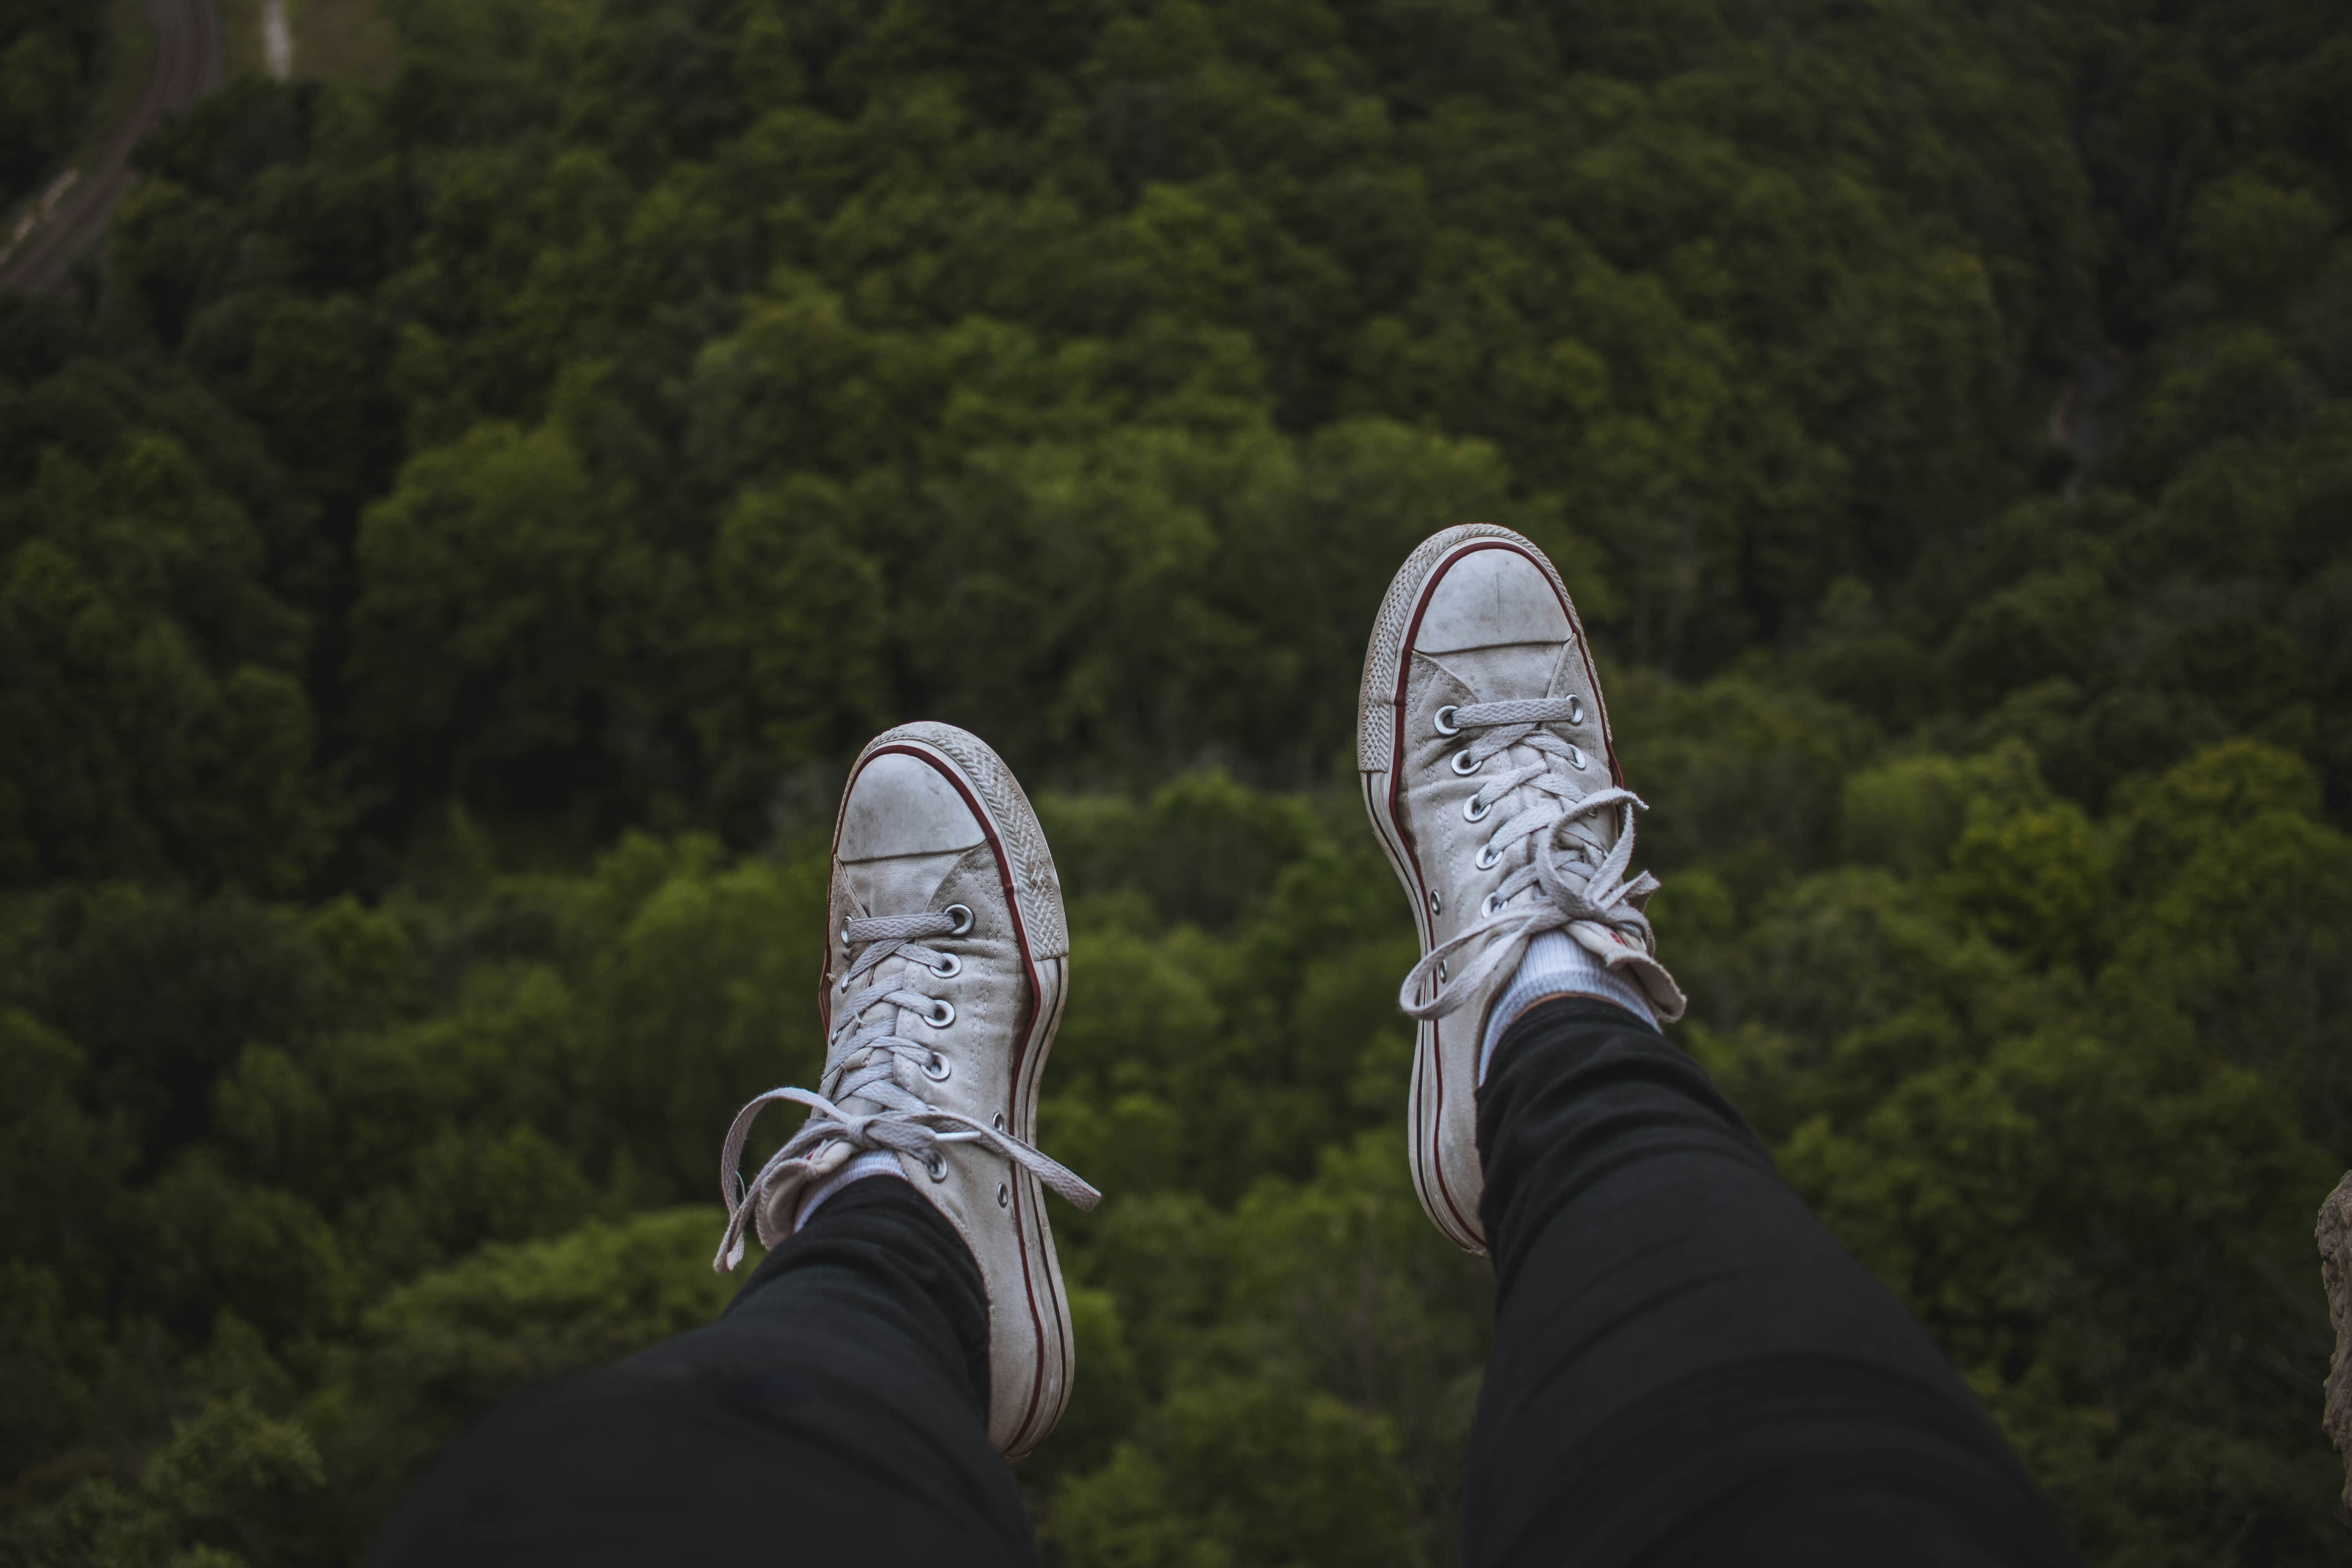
(444, 576)
(51, 54)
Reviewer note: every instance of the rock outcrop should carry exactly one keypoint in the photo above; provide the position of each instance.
(2335, 1237)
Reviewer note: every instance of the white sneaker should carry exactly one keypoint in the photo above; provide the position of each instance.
(1487, 769)
(945, 973)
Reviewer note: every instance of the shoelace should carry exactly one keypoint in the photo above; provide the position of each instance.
(1593, 891)
(867, 1101)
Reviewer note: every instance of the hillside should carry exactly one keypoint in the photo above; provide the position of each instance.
(443, 579)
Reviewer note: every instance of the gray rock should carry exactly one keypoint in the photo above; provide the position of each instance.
(2334, 1234)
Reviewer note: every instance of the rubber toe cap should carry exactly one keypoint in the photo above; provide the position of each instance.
(1491, 598)
(901, 805)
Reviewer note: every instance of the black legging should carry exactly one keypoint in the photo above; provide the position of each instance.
(1686, 1370)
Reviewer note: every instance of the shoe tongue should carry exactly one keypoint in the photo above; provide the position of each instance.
(1503, 673)
(1511, 674)
(898, 884)
(896, 973)
(1598, 830)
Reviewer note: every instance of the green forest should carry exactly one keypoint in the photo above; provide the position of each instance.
(51, 55)
(452, 549)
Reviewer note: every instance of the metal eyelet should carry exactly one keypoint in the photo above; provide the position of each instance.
(1003, 1196)
(948, 967)
(1445, 724)
(1436, 904)
(941, 1015)
(1441, 971)
(1576, 710)
(937, 1164)
(844, 986)
(845, 936)
(1576, 755)
(1492, 906)
(1472, 812)
(1486, 857)
(961, 915)
(1462, 757)
(997, 1121)
(938, 1069)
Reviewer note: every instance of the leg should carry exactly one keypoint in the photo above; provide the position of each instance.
(836, 1412)
(1686, 1367)
(908, 1325)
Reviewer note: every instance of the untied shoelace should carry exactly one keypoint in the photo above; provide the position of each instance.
(1592, 895)
(867, 1101)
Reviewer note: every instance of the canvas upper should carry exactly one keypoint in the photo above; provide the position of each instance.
(1483, 751)
(946, 962)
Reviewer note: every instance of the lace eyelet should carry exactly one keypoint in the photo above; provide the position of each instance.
(1576, 755)
(937, 1164)
(941, 1015)
(938, 1069)
(1445, 724)
(961, 915)
(1576, 710)
(1436, 904)
(997, 1121)
(844, 986)
(1472, 812)
(1492, 906)
(1462, 757)
(845, 936)
(1487, 858)
(948, 967)
(1004, 1195)
(1441, 971)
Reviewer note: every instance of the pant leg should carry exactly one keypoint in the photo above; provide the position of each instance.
(834, 1414)
(1688, 1369)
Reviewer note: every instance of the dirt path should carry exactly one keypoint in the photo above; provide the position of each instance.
(187, 65)
(277, 40)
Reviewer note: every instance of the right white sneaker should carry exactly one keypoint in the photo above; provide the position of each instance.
(1484, 749)
(946, 968)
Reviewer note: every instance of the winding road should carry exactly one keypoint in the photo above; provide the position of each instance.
(187, 65)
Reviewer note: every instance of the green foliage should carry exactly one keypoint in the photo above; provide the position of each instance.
(435, 1353)
(51, 54)
(226, 1490)
(115, 690)
(442, 580)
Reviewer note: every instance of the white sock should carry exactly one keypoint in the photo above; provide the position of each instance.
(873, 1163)
(1555, 964)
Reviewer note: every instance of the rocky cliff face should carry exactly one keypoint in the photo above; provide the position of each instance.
(2335, 1237)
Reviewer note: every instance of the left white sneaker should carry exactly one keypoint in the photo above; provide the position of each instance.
(946, 962)
(1484, 749)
